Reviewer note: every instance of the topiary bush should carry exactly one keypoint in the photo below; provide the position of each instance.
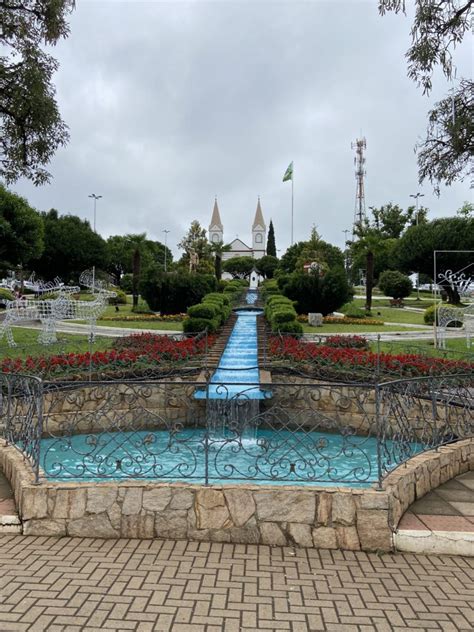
(351, 310)
(203, 310)
(395, 284)
(174, 292)
(294, 328)
(196, 325)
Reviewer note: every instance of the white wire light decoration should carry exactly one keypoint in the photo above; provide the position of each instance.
(446, 315)
(50, 311)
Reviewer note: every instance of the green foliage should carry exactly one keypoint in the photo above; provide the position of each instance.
(121, 250)
(281, 314)
(120, 298)
(351, 310)
(446, 153)
(271, 245)
(315, 294)
(203, 310)
(174, 292)
(21, 230)
(32, 129)
(195, 243)
(126, 283)
(395, 284)
(294, 328)
(239, 267)
(196, 325)
(267, 265)
(415, 250)
(5, 295)
(70, 247)
(429, 313)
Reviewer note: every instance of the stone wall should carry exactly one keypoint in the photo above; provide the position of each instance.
(320, 517)
(425, 472)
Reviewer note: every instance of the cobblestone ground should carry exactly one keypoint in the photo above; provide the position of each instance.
(89, 585)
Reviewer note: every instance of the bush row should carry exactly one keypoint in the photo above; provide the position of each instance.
(281, 315)
(210, 313)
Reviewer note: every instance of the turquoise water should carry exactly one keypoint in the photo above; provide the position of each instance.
(264, 456)
(237, 375)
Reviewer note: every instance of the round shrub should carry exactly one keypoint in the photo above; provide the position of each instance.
(221, 298)
(120, 298)
(351, 310)
(293, 328)
(283, 316)
(195, 325)
(201, 310)
(395, 284)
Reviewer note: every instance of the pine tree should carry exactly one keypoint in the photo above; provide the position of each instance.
(271, 246)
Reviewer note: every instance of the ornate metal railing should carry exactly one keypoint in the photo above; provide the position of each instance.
(292, 433)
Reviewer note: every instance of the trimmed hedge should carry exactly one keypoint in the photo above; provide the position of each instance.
(5, 295)
(281, 314)
(212, 312)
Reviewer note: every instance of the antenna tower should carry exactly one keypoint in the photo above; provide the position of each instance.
(359, 211)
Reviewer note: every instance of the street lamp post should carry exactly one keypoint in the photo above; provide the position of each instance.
(166, 239)
(417, 196)
(95, 198)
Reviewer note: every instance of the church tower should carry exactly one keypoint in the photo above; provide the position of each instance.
(258, 233)
(216, 229)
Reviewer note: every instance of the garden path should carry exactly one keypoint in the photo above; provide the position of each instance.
(442, 521)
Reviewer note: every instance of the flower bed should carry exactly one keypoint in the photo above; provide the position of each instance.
(361, 364)
(138, 351)
(347, 342)
(342, 320)
(154, 318)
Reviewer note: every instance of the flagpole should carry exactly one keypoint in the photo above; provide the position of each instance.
(292, 177)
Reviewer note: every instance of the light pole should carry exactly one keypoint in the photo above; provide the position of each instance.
(417, 196)
(346, 258)
(166, 239)
(95, 198)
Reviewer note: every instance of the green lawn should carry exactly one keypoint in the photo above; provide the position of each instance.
(354, 329)
(28, 345)
(455, 348)
(142, 324)
(383, 302)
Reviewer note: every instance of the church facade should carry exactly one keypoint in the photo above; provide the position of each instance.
(238, 247)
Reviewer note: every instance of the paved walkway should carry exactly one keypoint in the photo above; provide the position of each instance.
(442, 521)
(91, 585)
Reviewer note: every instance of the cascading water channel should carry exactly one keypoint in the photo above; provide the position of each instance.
(234, 392)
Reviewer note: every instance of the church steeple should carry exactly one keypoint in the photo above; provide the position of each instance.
(259, 221)
(258, 233)
(216, 229)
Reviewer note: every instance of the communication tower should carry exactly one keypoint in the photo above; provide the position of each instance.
(359, 211)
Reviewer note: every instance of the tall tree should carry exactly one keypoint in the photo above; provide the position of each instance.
(218, 250)
(195, 244)
(120, 249)
(271, 245)
(445, 154)
(315, 249)
(70, 247)
(415, 251)
(32, 129)
(21, 231)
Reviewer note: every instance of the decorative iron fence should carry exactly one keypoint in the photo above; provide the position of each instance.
(284, 433)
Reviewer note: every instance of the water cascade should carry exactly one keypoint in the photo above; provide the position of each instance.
(234, 392)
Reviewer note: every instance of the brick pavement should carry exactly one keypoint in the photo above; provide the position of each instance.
(92, 585)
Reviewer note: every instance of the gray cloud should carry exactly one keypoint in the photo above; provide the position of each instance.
(170, 104)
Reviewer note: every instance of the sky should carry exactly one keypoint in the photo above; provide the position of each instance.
(170, 104)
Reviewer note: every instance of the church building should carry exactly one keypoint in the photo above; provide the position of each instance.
(238, 247)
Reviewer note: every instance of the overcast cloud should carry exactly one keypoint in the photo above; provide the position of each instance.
(170, 104)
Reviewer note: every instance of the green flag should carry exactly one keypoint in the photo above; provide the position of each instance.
(288, 173)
